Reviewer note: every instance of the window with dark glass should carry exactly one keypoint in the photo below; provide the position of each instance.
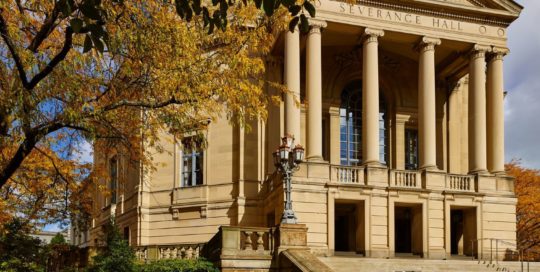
(350, 115)
(113, 175)
(192, 163)
(411, 149)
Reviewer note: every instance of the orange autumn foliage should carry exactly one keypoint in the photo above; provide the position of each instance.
(527, 188)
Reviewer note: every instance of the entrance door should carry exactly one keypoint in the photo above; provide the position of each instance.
(408, 229)
(403, 230)
(463, 231)
(345, 226)
(349, 227)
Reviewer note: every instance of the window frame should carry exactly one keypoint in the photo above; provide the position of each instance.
(408, 164)
(350, 114)
(113, 179)
(194, 156)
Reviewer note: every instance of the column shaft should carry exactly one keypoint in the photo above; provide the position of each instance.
(426, 104)
(370, 97)
(314, 92)
(477, 110)
(292, 81)
(495, 112)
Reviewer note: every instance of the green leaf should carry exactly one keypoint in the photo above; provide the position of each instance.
(258, 3)
(294, 10)
(98, 44)
(89, 10)
(304, 23)
(223, 7)
(206, 16)
(310, 8)
(268, 7)
(288, 3)
(293, 23)
(87, 44)
(76, 24)
(211, 28)
(196, 7)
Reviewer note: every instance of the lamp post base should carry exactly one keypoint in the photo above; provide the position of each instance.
(288, 217)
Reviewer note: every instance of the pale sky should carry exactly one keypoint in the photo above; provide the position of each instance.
(522, 82)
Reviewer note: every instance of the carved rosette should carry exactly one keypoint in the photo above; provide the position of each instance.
(372, 35)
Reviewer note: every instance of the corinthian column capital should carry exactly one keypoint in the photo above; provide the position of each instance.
(498, 53)
(479, 51)
(427, 44)
(316, 25)
(371, 35)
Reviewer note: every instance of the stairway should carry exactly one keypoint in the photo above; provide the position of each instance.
(359, 264)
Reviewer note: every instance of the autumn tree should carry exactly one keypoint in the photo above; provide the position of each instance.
(527, 188)
(120, 71)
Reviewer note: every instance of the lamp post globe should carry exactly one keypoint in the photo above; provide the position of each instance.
(287, 159)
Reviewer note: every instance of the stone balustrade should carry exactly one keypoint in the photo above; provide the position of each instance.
(347, 174)
(178, 251)
(463, 183)
(383, 177)
(405, 179)
(246, 240)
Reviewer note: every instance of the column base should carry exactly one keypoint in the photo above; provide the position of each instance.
(479, 172)
(431, 167)
(315, 158)
(499, 173)
(373, 164)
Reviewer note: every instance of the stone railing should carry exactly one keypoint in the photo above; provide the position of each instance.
(177, 251)
(347, 174)
(141, 253)
(250, 242)
(405, 179)
(456, 182)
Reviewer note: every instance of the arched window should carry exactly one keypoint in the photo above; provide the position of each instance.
(351, 126)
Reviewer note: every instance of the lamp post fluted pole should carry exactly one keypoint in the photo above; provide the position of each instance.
(287, 159)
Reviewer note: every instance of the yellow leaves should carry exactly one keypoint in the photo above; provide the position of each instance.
(527, 189)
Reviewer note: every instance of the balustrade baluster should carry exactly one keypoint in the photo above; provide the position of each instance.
(189, 253)
(247, 242)
(260, 242)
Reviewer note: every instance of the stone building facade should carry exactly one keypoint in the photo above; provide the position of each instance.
(401, 114)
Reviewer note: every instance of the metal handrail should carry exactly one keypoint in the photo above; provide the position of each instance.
(519, 252)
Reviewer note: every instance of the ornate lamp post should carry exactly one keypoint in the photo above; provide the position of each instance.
(286, 159)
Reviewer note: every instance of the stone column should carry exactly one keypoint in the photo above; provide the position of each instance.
(477, 109)
(314, 91)
(370, 96)
(334, 136)
(292, 81)
(495, 111)
(426, 104)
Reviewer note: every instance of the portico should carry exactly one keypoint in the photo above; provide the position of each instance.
(402, 111)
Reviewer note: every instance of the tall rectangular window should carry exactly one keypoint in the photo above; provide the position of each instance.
(411, 149)
(191, 165)
(113, 175)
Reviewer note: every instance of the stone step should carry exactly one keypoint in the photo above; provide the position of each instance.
(359, 264)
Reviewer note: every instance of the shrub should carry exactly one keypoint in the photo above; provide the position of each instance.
(116, 256)
(20, 251)
(176, 265)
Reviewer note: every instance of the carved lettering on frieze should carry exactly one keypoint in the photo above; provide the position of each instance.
(399, 17)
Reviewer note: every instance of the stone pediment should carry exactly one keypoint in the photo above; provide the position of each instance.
(461, 2)
(498, 12)
(508, 6)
